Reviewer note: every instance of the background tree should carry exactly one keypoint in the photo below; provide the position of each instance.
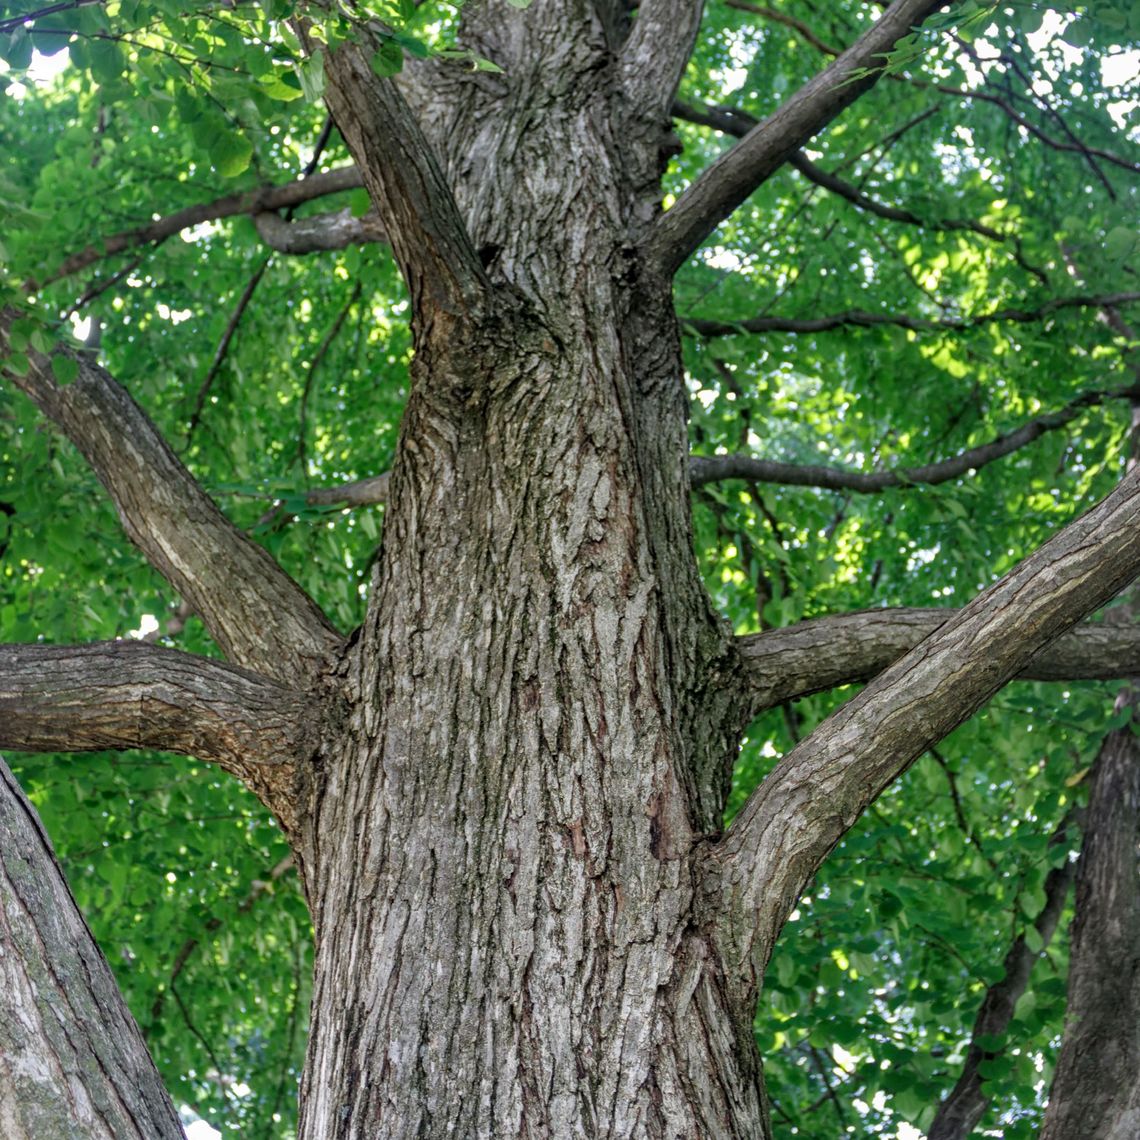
(904, 299)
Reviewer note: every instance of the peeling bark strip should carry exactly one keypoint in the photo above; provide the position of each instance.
(72, 1060)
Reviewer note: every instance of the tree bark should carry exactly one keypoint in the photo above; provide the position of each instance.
(72, 1060)
(1096, 1088)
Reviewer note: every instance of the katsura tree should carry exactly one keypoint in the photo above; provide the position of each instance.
(528, 423)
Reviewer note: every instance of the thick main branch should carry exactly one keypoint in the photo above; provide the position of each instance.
(129, 694)
(847, 649)
(258, 615)
(737, 173)
(820, 788)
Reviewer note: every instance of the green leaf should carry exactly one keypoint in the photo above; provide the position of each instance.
(230, 152)
(388, 60)
(106, 60)
(16, 49)
(311, 73)
(65, 368)
(1119, 243)
(17, 364)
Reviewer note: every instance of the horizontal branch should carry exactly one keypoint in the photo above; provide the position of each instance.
(860, 318)
(846, 649)
(130, 694)
(258, 615)
(815, 794)
(361, 493)
(336, 230)
(705, 469)
(725, 184)
(252, 202)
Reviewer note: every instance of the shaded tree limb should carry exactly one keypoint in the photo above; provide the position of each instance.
(252, 202)
(728, 181)
(705, 469)
(968, 1100)
(429, 239)
(257, 614)
(1076, 146)
(1096, 1085)
(739, 123)
(710, 469)
(131, 694)
(224, 346)
(796, 815)
(860, 318)
(845, 649)
(72, 1060)
(211, 925)
(1004, 105)
(315, 363)
(798, 26)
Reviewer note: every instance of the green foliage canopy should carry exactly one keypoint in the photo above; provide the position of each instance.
(978, 205)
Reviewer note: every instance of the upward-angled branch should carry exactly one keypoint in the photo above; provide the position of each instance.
(737, 173)
(419, 214)
(820, 788)
(654, 57)
(258, 615)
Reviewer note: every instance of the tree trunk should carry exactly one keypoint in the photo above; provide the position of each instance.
(72, 1060)
(500, 862)
(1096, 1088)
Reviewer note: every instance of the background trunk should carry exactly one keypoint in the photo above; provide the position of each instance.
(72, 1059)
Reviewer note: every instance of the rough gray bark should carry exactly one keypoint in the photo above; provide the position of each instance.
(126, 694)
(257, 614)
(72, 1060)
(1096, 1087)
(845, 649)
(799, 812)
